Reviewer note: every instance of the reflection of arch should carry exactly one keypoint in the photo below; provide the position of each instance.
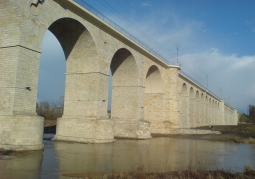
(153, 82)
(125, 84)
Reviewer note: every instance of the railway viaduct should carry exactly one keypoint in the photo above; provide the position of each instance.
(149, 95)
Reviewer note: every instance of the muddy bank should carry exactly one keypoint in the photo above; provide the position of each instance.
(237, 134)
(226, 137)
(248, 173)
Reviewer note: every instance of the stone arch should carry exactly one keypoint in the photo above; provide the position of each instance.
(213, 112)
(184, 123)
(85, 101)
(197, 109)
(82, 68)
(77, 43)
(153, 81)
(209, 111)
(191, 107)
(125, 86)
(202, 110)
(206, 110)
(154, 98)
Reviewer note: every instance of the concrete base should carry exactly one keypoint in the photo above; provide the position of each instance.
(84, 130)
(21, 132)
(131, 129)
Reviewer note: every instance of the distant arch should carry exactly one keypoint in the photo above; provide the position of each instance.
(202, 110)
(125, 84)
(153, 81)
(184, 123)
(197, 109)
(191, 107)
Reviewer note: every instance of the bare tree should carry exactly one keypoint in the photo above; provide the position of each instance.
(50, 111)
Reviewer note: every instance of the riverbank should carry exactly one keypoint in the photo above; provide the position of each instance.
(242, 133)
(248, 173)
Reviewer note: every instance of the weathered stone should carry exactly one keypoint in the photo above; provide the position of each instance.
(148, 96)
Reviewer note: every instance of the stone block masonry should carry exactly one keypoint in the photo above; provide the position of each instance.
(148, 96)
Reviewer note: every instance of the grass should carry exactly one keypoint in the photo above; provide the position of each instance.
(244, 119)
(245, 128)
(248, 173)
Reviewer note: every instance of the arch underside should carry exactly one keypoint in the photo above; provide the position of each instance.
(154, 100)
(127, 97)
(82, 67)
(125, 86)
(84, 83)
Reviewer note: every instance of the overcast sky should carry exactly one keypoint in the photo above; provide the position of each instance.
(216, 38)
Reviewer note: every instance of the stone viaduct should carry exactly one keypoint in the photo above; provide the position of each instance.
(148, 94)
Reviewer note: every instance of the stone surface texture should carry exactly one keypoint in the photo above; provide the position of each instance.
(148, 95)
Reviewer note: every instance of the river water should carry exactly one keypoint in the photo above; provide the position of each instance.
(156, 154)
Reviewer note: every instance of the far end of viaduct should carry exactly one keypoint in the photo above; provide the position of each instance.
(148, 94)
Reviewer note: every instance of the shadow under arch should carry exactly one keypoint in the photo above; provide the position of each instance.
(197, 109)
(81, 63)
(202, 110)
(72, 33)
(154, 97)
(125, 84)
(191, 119)
(153, 81)
(85, 87)
(127, 112)
(184, 123)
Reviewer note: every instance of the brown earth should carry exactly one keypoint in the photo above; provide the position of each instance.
(248, 173)
(244, 133)
(48, 123)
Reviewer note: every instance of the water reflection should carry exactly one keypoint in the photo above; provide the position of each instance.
(157, 154)
(25, 165)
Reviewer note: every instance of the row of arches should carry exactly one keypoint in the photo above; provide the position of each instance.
(197, 108)
(86, 80)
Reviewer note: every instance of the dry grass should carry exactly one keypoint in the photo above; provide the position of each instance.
(248, 173)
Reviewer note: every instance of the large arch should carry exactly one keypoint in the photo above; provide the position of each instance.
(202, 110)
(192, 102)
(125, 80)
(127, 110)
(81, 63)
(209, 111)
(85, 89)
(206, 111)
(154, 99)
(214, 113)
(153, 81)
(197, 109)
(184, 122)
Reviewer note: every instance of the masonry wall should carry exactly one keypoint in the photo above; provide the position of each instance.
(90, 47)
(202, 109)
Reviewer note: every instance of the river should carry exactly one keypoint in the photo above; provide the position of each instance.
(156, 154)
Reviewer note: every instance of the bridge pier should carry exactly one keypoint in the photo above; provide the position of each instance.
(20, 127)
(84, 130)
(21, 132)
